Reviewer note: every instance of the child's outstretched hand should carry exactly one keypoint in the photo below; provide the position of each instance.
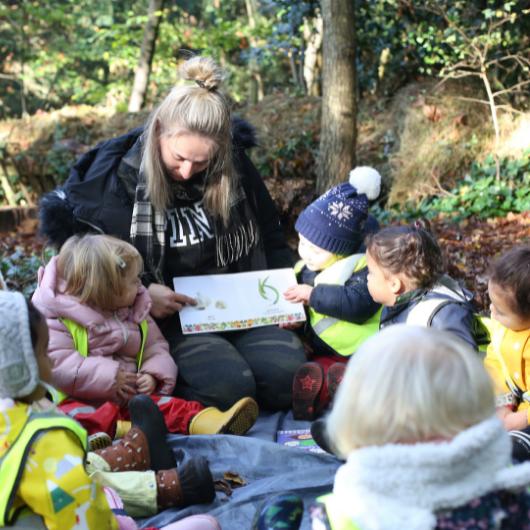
(513, 421)
(145, 383)
(126, 384)
(298, 293)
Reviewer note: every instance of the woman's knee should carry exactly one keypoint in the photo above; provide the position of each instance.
(212, 371)
(274, 355)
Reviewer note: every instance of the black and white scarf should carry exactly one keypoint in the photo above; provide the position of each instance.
(148, 227)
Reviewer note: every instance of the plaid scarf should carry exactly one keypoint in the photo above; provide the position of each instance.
(148, 227)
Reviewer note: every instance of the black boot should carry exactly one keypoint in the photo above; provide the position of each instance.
(189, 484)
(146, 416)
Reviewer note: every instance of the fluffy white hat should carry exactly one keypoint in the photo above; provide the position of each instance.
(19, 373)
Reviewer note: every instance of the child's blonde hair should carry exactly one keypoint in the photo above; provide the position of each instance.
(409, 384)
(95, 267)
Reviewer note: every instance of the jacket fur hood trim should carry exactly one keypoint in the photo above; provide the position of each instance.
(401, 486)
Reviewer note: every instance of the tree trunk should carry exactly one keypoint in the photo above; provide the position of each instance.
(338, 125)
(256, 91)
(143, 70)
(313, 39)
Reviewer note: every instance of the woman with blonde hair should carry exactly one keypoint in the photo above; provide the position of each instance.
(183, 191)
(414, 418)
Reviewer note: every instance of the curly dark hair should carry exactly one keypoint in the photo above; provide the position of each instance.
(410, 250)
(511, 271)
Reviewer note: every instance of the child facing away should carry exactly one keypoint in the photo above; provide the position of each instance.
(508, 355)
(332, 283)
(105, 347)
(414, 418)
(406, 275)
(42, 452)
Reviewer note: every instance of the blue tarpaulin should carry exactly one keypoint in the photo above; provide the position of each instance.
(267, 468)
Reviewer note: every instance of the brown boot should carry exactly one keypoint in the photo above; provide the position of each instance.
(131, 453)
(191, 483)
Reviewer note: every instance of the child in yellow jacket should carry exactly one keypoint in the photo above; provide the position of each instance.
(42, 452)
(508, 355)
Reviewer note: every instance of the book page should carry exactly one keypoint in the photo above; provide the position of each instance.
(238, 300)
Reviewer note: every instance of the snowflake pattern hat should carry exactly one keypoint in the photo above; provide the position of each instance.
(19, 373)
(335, 221)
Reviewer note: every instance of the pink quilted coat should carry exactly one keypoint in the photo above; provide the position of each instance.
(113, 342)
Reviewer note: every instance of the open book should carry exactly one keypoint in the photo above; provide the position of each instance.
(237, 301)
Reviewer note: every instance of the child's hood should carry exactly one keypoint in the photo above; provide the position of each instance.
(53, 302)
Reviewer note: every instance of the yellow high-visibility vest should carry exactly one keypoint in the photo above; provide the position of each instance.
(80, 335)
(338, 520)
(13, 461)
(342, 336)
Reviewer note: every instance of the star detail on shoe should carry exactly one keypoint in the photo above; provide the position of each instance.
(307, 382)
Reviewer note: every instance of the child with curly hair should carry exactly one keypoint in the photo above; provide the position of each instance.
(508, 355)
(406, 275)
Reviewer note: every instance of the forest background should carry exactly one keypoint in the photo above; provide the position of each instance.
(433, 94)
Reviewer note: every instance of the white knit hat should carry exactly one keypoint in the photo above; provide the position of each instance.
(19, 372)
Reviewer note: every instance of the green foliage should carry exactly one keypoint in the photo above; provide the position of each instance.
(20, 269)
(478, 194)
(86, 51)
(399, 40)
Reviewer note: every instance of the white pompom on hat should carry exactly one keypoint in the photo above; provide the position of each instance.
(19, 372)
(366, 180)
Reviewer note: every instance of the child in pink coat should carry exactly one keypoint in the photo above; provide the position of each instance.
(105, 347)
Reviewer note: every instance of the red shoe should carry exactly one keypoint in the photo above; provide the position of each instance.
(307, 383)
(334, 378)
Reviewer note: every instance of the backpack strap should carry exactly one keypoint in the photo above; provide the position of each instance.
(425, 310)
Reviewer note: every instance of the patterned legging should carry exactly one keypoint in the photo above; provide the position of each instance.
(218, 369)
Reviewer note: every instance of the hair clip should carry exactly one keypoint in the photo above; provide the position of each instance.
(202, 84)
(121, 263)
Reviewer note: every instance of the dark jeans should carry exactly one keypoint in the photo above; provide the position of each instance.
(219, 369)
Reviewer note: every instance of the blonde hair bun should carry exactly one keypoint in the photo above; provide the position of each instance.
(204, 71)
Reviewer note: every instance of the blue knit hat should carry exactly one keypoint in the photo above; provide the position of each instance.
(335, 221)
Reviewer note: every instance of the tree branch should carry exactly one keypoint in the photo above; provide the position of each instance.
(514, 88)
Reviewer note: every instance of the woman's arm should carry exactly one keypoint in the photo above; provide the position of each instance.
(166, 302)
